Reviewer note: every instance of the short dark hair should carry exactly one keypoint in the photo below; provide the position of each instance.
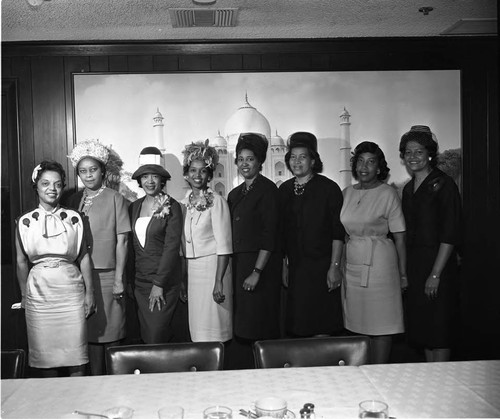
(318, 164)
(425, 140)
(50, 166)
(370, 147)
(102, 166)
(210, 170)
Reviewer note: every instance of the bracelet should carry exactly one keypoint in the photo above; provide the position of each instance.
(257, 270)
(336, 264)
(435, 276)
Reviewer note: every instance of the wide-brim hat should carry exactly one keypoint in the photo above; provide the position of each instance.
(303, 139)
(153, 169)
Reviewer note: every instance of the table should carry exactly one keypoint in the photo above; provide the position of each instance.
(470, 389)
(442, 389)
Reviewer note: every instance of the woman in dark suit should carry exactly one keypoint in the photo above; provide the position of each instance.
(432, 210)
(313, 237)
(256, 260)
(156, 221)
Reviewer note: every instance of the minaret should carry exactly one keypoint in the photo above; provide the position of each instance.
(345, 150)
(158, 130)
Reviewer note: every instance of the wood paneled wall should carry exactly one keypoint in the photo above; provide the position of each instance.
(43, 75)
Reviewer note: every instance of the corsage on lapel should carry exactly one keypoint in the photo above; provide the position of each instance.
(161, 206)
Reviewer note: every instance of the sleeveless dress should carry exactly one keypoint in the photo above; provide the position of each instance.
(55, 291)
(372, 290)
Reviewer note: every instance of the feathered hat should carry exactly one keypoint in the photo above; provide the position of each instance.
(200, 151)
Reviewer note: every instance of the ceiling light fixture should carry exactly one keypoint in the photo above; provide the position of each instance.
(204, 2)
(426, 10)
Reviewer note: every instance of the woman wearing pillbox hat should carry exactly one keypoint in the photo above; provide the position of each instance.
(256, 256)
(312, 237)
(156, 221)
(106, 213)
(432, 210)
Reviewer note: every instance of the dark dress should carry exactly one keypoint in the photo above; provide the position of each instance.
(254, 219)
(311, 222)
(157, 263)
(433, 216)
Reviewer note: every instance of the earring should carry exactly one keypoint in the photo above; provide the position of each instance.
(430, 158)
(378, 172)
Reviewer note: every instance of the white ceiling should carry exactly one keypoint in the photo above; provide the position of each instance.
(106, 20)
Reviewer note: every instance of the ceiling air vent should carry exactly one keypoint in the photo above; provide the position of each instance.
(204, 17)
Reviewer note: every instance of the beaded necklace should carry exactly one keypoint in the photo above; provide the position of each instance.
(87, 200)
(206, 201)
(298, 188)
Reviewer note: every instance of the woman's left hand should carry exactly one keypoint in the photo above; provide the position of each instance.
(218, 292)
(118, 289)
(431, 286)
(333, 278)
(156, 298)
(89, 304)
(251, 282)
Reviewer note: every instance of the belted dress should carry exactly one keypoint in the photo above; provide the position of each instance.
(55, 290)
(372, 290)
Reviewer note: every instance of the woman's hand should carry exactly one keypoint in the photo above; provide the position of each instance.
(431, 286)
(89, 304)
(156, 298)
(333, 278)
(284, 273)
(183, 295)
(118, 289)
(251, 282)
(218, 292)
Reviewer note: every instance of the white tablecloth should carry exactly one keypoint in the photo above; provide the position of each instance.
(439, 390)
(453, 389)
(336, 391)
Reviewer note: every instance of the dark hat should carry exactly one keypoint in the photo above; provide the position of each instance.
(417, 131)
(154, 169)
(255, 142)
(303, 139)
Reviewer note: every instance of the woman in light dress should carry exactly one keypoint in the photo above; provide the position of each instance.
(207, 246)
(106, 211)
(375, 269)
(57, 291)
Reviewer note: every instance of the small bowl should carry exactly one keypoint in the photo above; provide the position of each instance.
(119, 412)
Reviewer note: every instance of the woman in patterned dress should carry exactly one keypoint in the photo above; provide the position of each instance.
(207, 245)
(375, 271)
(56, 294)
(107, 216)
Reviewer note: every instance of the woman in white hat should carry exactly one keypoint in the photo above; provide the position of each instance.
(107, 215)
(156, 221)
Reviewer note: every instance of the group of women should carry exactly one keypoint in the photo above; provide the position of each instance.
(345, 258)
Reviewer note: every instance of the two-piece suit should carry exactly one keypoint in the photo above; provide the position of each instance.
(157, 262)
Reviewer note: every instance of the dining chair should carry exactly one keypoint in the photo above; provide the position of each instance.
(13, 363)
(165, 357)
(311, 352)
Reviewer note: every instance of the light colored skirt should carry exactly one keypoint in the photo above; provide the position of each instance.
(107, 324)
(55, 316)
(208, 321)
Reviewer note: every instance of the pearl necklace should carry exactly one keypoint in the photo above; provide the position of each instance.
(88, 200)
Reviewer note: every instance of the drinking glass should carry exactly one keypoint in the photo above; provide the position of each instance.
(218, 412)
(171, 412)
(373, 409)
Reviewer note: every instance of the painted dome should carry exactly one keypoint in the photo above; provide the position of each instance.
(246, 119)
(218, 141)
(277, 140)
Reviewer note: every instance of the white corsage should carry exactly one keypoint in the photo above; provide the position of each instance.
(161, 206)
